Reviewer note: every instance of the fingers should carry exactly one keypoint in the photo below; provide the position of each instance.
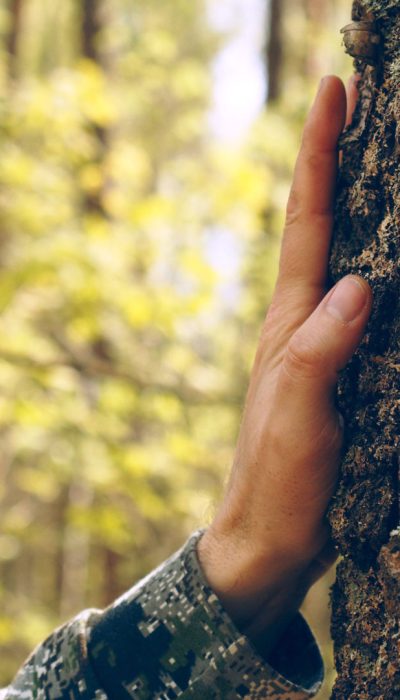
(352, 97)
(308, 228)
(323, 345)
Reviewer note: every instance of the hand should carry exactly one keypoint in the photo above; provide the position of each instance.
(269, 541)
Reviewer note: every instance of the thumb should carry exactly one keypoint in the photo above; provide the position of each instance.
(324, 344)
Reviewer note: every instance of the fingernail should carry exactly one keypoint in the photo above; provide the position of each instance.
(347, 300)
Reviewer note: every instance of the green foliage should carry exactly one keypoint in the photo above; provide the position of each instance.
(122, 372)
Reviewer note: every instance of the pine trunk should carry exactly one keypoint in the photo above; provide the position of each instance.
(365, 513)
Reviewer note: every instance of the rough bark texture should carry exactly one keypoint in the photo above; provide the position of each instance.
(365, 513)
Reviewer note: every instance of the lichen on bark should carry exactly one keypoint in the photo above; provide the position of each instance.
(365, 512)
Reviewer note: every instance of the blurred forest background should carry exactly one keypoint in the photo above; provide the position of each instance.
(138, 251)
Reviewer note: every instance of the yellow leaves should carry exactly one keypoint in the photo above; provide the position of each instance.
(91, 178)
(96, 227)
(116, 398)
(7, 629)
(138, 308)
(136, 461)
(159, 45)
(16, 167)
(147, 308)
(167, 409)
(95, 98)
(38, 483)
(152, 210)
(180, 357)
(108, 193)
(18, 519)
(22, 629)
(196, 504)
(245, 185)
(29, 413)
(182, 448)
(278, 140)
(189, 127)
(35, 625)
(190, 81)
(108, 525)
(152, 505)
(193, 262)
(129, 162)
(32, 105)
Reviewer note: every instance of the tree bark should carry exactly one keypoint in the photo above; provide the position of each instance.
(365, 513)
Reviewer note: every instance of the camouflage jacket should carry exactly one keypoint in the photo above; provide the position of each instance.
(168, 637)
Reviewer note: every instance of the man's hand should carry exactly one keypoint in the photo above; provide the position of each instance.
(269, 541)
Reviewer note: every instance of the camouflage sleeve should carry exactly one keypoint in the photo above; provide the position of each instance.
(168, 637)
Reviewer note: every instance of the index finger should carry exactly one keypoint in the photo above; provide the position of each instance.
(308, 228)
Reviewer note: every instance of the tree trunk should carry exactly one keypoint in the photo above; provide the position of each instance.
(92, 25)
(365, 513)
(275, 53)
(16, 7)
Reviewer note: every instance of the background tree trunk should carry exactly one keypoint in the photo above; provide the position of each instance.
(76, 546)
(296, 46)
(92, 25)
(16, 7)
(365, 513)
(275, 50)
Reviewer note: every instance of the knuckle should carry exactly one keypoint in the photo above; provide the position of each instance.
(278, 326)
(303, 358)
(294, 211)
(336, 441)
(329, 440)
(313, 161)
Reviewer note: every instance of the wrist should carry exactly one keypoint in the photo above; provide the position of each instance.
(254, 588)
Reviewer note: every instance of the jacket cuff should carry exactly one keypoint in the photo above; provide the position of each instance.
(170, 637)
(59, 667)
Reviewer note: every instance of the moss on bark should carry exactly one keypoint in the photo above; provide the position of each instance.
(365, 513)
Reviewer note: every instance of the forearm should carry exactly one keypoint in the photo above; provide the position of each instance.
(260, 600)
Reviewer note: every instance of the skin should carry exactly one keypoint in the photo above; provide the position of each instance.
(269, 541)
